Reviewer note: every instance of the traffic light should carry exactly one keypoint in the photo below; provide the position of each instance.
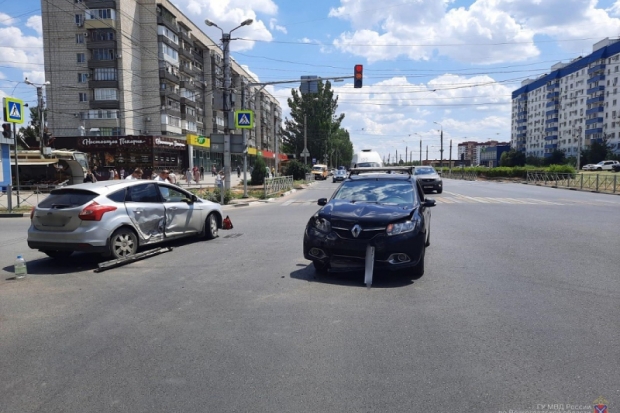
(47, 138)
(6, 130)
(358, 76)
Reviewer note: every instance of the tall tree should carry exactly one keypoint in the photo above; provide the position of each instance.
(317, 112)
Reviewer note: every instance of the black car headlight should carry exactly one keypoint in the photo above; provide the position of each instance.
(321, 224)
(401, 227)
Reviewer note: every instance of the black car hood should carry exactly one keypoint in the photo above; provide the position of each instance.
(364, 212)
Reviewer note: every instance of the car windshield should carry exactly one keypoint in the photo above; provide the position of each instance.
(380, 191)
(317, 168)
(424, 171)
(368, 165)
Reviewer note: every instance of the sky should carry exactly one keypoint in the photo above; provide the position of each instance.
(429, 65)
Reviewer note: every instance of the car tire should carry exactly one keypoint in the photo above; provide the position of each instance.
(599, 169)
(211, 229)
(320, 267)
(428, 238)
(440, 190)
(333, 181)
(123, 243)
(418, 271)
(57, 254)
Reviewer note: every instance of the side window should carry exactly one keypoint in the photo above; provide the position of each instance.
(143, 193)
(420, 191)
(170, 194)
(117, 196)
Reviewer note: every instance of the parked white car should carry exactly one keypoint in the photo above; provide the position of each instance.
(605, 165)
(589, 167)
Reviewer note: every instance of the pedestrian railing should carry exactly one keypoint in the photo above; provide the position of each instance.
(29, 196)
(589, 182)
(309, 178)
(278, 184)
(459, 174)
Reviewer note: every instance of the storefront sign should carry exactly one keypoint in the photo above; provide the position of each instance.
(111, 142)
(169, 143)
(199, 140)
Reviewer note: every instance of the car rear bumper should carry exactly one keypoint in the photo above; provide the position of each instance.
(66, 246)
(86, 238)
(349, 254)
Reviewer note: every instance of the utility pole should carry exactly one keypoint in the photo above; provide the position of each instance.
(427, 153)
(420, 151)
(450, 164)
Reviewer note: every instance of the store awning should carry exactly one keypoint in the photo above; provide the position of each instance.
(34, 162)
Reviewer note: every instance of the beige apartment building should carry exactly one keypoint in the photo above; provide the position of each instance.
(142, 68)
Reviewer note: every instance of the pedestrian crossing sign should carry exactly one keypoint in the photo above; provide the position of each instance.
(13, 110)
(244, 119)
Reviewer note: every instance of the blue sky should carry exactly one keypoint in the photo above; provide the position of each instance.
(425, 61)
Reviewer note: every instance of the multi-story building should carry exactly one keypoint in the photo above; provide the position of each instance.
(140, 68)
(570, 107)
(471, 150)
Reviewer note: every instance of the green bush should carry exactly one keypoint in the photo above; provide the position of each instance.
(258, 171)
(297, 169)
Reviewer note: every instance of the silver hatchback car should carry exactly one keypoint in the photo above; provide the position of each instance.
(114, 218)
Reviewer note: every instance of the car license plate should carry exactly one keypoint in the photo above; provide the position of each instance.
(428, 186)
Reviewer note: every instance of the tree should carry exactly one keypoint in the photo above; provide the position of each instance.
(533, 160)
(557, 157)
(512, 158)
(316, 113)
(297, 169)
(258, 171)
(30, 133)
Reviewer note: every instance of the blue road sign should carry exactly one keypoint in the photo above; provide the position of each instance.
(13, 110)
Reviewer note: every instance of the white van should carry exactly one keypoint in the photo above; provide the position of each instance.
(366, 158)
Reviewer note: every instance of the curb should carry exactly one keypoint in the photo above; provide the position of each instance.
(24, 215)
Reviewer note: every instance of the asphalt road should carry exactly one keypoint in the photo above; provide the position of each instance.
(518, 308)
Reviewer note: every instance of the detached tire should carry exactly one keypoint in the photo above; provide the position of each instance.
(211, 229)
(58, 254)
(123, 243)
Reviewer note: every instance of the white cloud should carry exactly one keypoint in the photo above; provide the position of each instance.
(7, 20)
(34, 22)
(273, 25)
(487, 32)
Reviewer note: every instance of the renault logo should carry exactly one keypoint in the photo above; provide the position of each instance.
(356, 231)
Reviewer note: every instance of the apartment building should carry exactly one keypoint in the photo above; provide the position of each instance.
(575, 104)
(471, 150)
(142, 68)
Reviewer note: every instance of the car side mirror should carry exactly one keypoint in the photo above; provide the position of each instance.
(439, 173)
(194, 198)
(429, 202)
(322, 201)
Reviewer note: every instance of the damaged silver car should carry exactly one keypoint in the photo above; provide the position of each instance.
(115, 218)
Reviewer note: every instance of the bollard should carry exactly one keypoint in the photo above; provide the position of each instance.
(9, 198)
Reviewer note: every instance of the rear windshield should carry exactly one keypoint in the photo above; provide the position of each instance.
(424, 171)
(67, 198)
(368, 165)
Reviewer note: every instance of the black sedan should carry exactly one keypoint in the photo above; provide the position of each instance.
(378, 218)
(339, 176)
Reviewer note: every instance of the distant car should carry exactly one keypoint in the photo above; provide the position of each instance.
(589, 167)
(615, 167)
(387, 211)
(115, 217)
(429, 178)
(605, 165)
(339, 176)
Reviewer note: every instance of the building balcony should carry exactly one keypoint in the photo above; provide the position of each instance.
(551, 129)
(188, 102)
(521, 128)
(170, 94)
(168, 42)
(94, 64)
(90, 24)
(595, 100)
(552, 112)
(521, 135)
(596, 68)
(551, 137)
(185, 116)
(164, 74)
(595, 89)
(186, 69)
(169, 24)
(594, 110)
(596, 78)
(198, 55)
(593, 121)
(552, 95)
(172, 112)
(187, 84)
(104, 104)
(100, 84)
(551, 120)
(522, 114)
(100, 44)
(593, 131)
(100, 4)
(185, 53)
(522, 97)
(521, 120)
(551, 146)
(553, 103)
(186, 37)
(553, 86)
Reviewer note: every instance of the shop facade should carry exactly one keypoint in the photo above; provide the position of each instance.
(150, 153)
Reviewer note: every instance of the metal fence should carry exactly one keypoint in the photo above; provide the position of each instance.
(459, 174)
(278, 184)
(309, 178)
(589, 182)
(29, 196)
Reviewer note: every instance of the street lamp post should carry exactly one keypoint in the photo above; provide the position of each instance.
(226, 95)
(40, 110)
(441, 147)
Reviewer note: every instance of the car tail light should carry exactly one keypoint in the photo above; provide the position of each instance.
(31, 213)
(94, 211)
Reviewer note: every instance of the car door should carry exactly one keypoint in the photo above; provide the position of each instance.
(182, 217)
(426, 212)
(146, 211)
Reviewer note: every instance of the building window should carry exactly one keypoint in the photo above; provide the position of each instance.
(79, 38)
(81, 58)
(82, 77)
(106, 94)
(103, 54)
(83, 97)
(97, 14)
(78, 19)
(105, 73)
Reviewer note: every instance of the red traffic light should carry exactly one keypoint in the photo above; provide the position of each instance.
(6, 130)
(358, 76)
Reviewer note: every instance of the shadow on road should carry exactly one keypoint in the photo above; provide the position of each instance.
(77, 262)
(380, 279)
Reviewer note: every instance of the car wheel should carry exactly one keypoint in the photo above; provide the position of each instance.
(440, 190)
(428, 238)
(599, 169)
(418, 270)
(333, 181)
(320, 267)
(211, 226)
(58, 254)
(123, 243)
